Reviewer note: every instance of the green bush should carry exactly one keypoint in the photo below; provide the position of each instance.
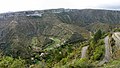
(98, 53)
(18, 63)
(41, 64)
(112, 64)
(9, 62)
(81, 63)
(97, 36)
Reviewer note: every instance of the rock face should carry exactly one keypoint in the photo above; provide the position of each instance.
(112, 45)
(108, 50)
(83, 52)
(116, 37)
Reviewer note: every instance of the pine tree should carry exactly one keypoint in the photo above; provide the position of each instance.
(97, 35)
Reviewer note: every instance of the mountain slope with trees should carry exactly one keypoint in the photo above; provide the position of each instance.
(55, 37)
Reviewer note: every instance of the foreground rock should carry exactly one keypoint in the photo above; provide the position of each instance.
(112, 45)
(84, 51)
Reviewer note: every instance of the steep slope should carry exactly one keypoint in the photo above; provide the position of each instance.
(90, 19)
(21, 34)
(87, 16)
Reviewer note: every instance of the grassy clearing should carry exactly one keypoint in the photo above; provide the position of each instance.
(57, 42)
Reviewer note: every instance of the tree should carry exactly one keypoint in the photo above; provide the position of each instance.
(9, 62)
(97, 36)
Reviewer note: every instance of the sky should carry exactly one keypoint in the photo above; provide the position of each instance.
(24, 5)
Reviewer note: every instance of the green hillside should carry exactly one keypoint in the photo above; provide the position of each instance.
(60, 38)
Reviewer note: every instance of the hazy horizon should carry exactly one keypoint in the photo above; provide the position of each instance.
(25, 5)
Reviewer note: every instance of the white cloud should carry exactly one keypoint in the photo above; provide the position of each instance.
(21, 5)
